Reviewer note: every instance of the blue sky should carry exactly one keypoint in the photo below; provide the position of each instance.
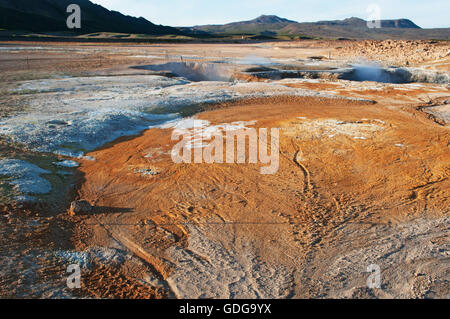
(427, 14)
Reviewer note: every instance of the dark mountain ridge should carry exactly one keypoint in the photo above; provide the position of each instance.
(270, 21)
(51, 15)
(46, 16)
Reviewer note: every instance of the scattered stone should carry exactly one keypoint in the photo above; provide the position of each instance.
(57, 122)
(80, 207)
(320, 58)
(147, 171)
(148, 222)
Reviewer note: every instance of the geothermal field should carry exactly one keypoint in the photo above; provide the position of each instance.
(357, 180)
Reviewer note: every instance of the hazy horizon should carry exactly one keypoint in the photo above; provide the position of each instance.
(430, 14)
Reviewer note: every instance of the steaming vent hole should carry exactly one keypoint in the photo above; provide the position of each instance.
(395, 75)
(194, 71)
(357, 73)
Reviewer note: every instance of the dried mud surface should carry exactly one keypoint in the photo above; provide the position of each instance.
(359, 183)
(228, 215)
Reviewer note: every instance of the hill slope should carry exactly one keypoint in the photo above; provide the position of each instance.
(50, 15)
(360, 23)
(260, 25)
(353, 28)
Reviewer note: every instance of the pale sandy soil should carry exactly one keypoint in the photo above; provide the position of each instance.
(360, 182)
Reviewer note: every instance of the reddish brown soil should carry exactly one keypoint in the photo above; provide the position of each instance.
(321, 183)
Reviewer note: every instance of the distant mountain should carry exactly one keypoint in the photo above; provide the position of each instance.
(360, 23)
(50, 16)
(352, 28)
(399, 23)
(274, 23)
(260, 25)
(267, 19)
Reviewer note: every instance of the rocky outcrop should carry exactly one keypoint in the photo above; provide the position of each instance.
(397, 52)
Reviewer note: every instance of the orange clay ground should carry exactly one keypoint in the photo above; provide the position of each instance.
(359, 183)
(398, 172)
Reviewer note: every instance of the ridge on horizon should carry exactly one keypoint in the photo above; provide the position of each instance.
(272, 27)
(355, 21)
(47, 16)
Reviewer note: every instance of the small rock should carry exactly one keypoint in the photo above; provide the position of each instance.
(80, 207)
(57, 122)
